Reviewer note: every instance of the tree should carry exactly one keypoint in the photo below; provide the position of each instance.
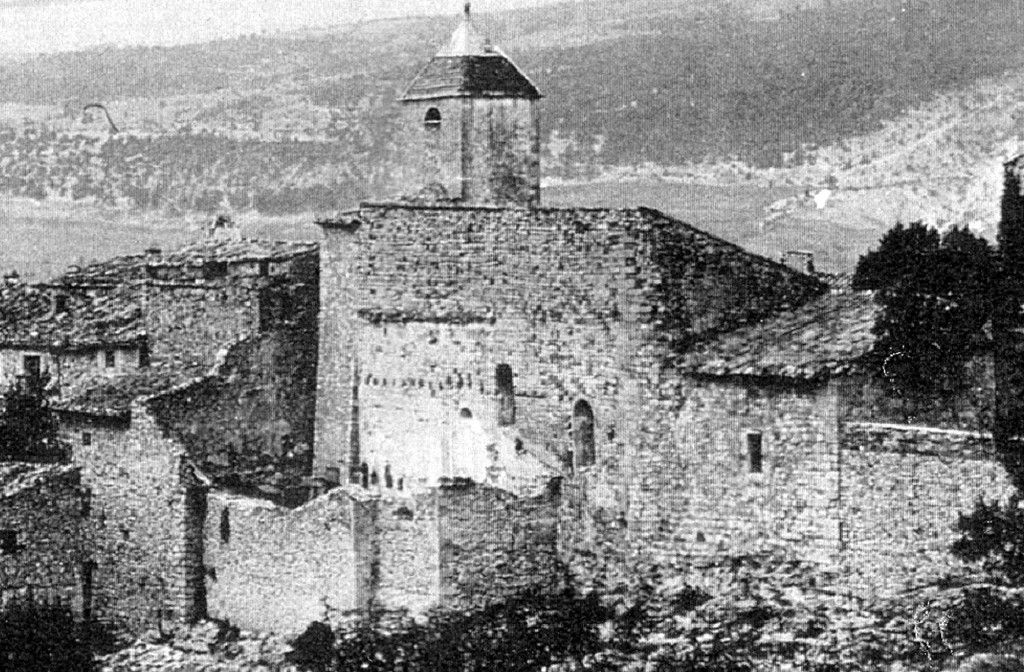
(28, 429)
(937, 295)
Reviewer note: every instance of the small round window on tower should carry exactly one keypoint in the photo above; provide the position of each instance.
(432, 119)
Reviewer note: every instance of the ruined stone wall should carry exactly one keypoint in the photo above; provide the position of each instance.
(250, 426)
(47, 561)
(272, 568)
(501, 151)
(145, 506)
(495, 545)
(902, 490)
(697, 491)
(409, 552)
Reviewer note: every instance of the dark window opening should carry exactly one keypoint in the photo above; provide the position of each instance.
(32, 365)
(388, 481)
(401, 483)
(86, 438)
(332, 474)
(144, 356)
(374, 479)
(404, 513)
(215, 269)
(225, 526)
(364, 475)
(755, 456)
(125, 534)
(465, 413)
(432, 119)
(9, 542)
(60, 303)
(86, 504)
(506, 395)
(109, 359)
(583, 434)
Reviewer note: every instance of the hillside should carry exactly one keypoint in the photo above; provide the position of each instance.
(905, 106)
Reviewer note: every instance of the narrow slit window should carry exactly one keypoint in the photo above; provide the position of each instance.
(584, 451)
(755, 454)
(109, 359)
(506, 395)
(225, 526)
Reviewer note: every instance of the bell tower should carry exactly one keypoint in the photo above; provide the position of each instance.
(470, 127)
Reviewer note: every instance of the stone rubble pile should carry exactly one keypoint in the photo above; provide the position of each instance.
(208, 646)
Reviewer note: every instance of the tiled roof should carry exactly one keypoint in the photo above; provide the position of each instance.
(827, 336)
(17, 477)
(113, 397)
(29, 319)
(492, 75)
(233, 252)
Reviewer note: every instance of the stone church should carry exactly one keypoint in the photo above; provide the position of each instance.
(498, 397)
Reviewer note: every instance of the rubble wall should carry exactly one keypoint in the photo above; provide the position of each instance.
(495, 545)
(903, 488)
(276, 569)
(46, 564)
(146, 505)
(409, 552)
(501, 151)
(251, 425)
(697, 491)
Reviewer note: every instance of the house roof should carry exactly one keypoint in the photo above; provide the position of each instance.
(469, 66)
(826, 336)
(113, 397)
(18, 477)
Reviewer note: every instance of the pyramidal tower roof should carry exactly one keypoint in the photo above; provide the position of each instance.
(470, 67)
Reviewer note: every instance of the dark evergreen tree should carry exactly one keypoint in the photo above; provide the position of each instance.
(937, 295)
(28, 429)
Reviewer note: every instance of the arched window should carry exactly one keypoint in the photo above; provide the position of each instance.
(506, 395)
(432, 119)
(465, 413)
(583, 434)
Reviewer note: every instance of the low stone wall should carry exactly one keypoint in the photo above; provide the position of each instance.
(902, 490)
(277, 569)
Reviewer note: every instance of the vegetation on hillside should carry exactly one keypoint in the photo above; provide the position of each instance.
(663, 84)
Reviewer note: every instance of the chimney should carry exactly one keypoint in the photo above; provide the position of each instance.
(799, 260)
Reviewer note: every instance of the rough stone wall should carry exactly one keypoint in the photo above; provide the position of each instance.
(144, 507)
(409, 548)
(250, 426)
(495, 545)
(501, 156)
(902, 490)
(581, 303)
(189, 323)
(50, 521)
(272, 568)
(695, 492)
(429, 154)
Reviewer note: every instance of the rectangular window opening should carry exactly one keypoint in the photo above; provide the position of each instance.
(9, 542)
(33, 365)
(109, 359)
(755, 456)
(86, 438)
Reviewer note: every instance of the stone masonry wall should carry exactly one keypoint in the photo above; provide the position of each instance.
(409, 552)
(49, 521)
(429, 154)
(586, 299)
(251, 425)
(902, 490)
(495, 545)
(189, 323)
(272, 568)
(145, 505)
(695, 490)
(501, 151)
